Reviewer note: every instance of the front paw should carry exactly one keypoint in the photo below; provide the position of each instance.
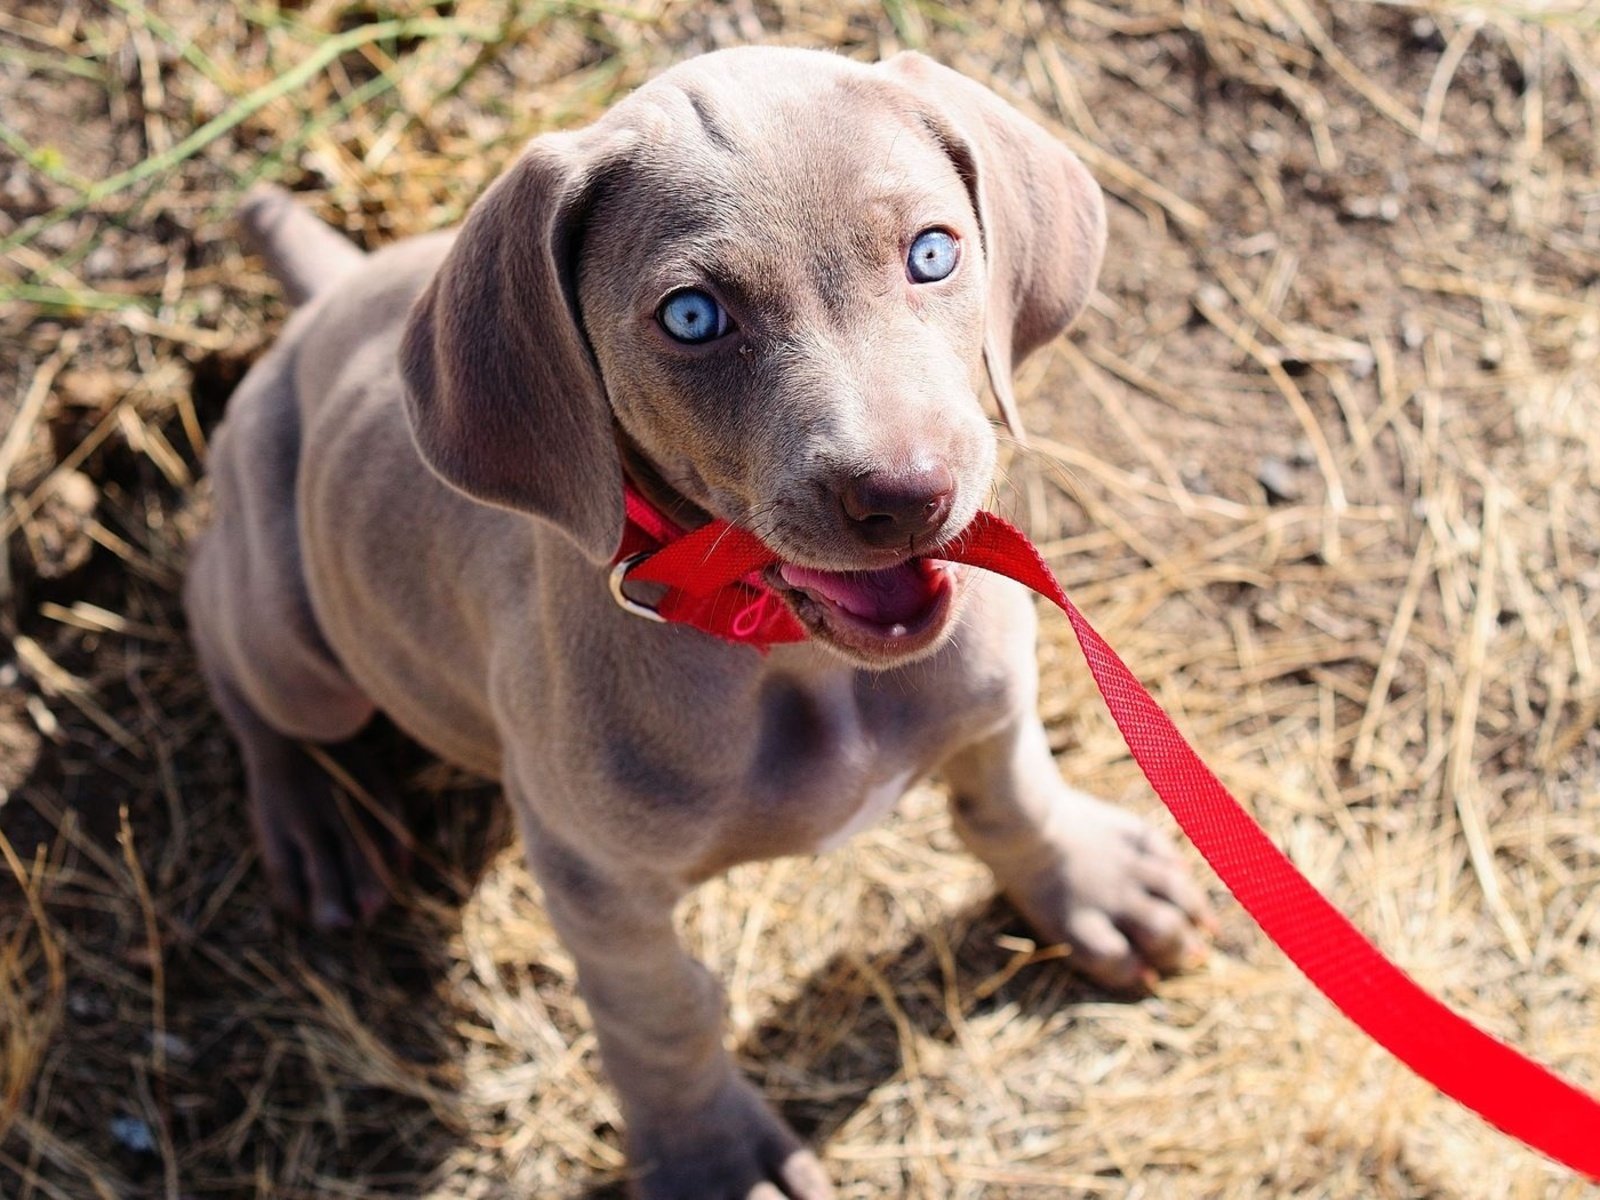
(734, 1148)
(1113, 889)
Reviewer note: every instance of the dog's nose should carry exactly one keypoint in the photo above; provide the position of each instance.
(891, 508)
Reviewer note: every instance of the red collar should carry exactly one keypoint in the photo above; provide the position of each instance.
(706, 588)
(712, 578)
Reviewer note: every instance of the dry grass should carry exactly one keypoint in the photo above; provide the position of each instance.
(1354, 255)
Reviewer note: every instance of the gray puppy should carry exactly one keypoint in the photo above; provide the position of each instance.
(768, 286)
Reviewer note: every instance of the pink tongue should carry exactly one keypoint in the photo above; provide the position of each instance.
(888, 597)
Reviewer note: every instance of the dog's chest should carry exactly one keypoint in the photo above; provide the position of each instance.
(834, 755)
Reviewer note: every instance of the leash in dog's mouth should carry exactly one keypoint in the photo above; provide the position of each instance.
(721, 580)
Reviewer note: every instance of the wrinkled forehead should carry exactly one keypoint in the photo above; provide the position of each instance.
(732, 174)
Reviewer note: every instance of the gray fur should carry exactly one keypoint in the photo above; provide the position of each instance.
(417, 490)
(304, 254)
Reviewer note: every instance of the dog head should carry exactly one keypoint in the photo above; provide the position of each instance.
(781, 277)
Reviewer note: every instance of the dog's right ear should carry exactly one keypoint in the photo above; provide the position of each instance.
(505, 400)
(1040, 211)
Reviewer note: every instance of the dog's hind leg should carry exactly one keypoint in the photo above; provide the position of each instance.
(272, 674)
(327, 860)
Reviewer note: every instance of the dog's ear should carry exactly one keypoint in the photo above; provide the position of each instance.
(505, 400)
(1040, 212)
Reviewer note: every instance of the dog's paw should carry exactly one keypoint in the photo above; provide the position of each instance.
(1116, 893)
(328, 860)
(735, 1148)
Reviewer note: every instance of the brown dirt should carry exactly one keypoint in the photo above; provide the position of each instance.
(1322, 461)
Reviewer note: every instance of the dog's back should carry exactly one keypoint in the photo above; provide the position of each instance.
(327, 381)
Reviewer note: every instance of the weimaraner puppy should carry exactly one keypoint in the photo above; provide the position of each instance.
(769, 286)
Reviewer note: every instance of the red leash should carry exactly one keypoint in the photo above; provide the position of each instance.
(1461, 1060)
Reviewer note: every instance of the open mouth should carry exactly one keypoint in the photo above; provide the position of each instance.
(890, 612)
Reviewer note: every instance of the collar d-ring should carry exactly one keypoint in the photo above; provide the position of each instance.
(619, 576)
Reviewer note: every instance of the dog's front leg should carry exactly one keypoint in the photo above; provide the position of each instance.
(695, 1127)
(1081, 871)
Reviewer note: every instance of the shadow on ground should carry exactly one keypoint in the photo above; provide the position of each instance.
(282, 1062)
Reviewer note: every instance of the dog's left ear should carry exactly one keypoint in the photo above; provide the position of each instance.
(1040, 211)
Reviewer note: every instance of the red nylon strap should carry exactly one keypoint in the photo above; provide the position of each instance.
(1507, 1089)
(1461, 1060)
(737, 607)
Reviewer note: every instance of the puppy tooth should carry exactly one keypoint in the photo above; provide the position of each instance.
(897, 631)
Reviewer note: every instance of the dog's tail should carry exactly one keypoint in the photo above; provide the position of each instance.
(303, 254)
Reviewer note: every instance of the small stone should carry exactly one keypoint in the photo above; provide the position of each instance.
(1277, 478)
(1385, 208)
(174, 1047)
(1411, 332)
(1425, 34)
(1265, 141)
(133, 1134)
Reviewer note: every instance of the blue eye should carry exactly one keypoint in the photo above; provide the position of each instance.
(933, 256)
(691, 316)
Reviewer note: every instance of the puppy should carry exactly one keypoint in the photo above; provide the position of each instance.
(769, 287)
